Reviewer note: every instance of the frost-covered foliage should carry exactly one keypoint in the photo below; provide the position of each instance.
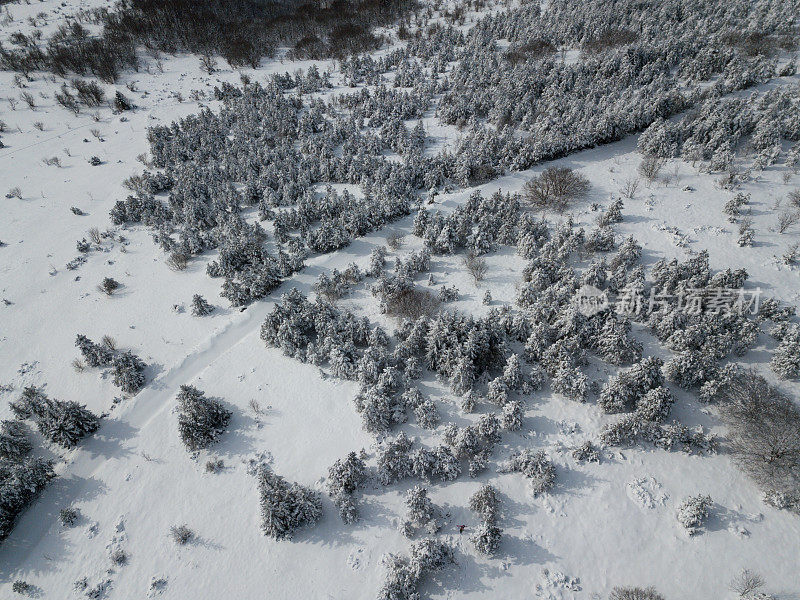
(486, 503)
(421, 513)
(127, 368)
(486, 538)
(720, 126)
(624, 84)
(633, 429)
(128, 372)
(344, 478)
(693, 513)
(436, 463)
(21, 481)
(786, 360)
(95, 355)
(285, 507)
(623, 391)
(200, 306)
(586, 452)
(14, 442)
(201, 420)
(474, 443)
(62, 422)
(292, 144)
(537, 468)
(394, 461)
(403, 574)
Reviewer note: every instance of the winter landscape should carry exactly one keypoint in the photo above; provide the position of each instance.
(395, 300)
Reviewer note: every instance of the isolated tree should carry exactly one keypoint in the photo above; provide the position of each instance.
(285, 507)
(556, 188)
(201, 420)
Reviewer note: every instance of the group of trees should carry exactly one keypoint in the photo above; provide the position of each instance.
(22, 476)
(242, 32)
(720, 127)
(126, 367)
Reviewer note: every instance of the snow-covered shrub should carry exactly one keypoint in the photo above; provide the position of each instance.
(623, 391)
(536, 467)
(95, 355)
(691, 368)
(586, 452)
(380, 410)
(14, 442)
(201, 420)
(655, 405)
(485, 502)
(21, 482)
(403, 574)
(786, 359)
(438, 463)
(285, 507)
(394, 461)
(344, 477)
(571, 382)
(200, 306)
(128, 372)
(421, 513)
(69, 516)
(181, 534)
(513, 412)
(448, 294)
(693, 513)
(62, 422)
(487, 538)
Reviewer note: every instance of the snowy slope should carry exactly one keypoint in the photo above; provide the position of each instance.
(607, 524)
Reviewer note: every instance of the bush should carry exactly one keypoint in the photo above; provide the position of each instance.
(128, 370)
(485, 503)
(555, 188)
(181, 534)
(693, 512)
(109, 285)
(21, 482)
(344, 477)
(14, 443)
(285, 507)
(62, 422)
(69, 516)
(403, 574)
(626, 593)
(201, 420)
(200, 306)
(539, 470)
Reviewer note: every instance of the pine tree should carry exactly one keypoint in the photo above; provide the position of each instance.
(201, 420)
(200, 306)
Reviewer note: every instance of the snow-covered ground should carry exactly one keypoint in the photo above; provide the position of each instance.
(605, 524)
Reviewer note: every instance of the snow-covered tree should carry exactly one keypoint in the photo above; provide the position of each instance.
(201, 420)
(285, 507)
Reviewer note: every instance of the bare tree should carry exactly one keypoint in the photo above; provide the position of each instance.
(650, 167)
(629, 188)
(476, 266)
(787, 219)
(746, 582)
(555, 188)
(764, 431)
